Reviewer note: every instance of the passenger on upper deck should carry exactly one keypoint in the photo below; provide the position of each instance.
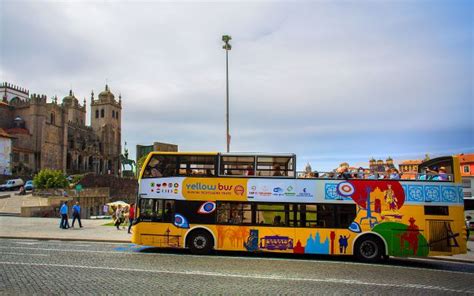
(343, 173)
(394, 174)
(277, 170)
(249, 171)
(153, 168)
(439, 175)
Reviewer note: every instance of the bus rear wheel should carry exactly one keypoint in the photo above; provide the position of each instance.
(200, 242)
(369, 249)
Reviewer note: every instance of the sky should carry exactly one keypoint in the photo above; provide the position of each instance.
(331, 81)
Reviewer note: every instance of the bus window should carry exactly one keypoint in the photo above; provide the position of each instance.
(168, 211)
(276, 166)
(197, 165)
(234, 213)
(150, 209)
(237, 165)
(271, 214)
(160, 166)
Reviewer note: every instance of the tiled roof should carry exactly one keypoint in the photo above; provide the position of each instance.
(463, 158)
(416, 161)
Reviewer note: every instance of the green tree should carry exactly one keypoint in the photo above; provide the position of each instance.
(47, 178)
(140, 163)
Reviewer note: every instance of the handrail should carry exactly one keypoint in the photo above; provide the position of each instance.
(373, 176)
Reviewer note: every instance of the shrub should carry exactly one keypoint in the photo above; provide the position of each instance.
(47, 178)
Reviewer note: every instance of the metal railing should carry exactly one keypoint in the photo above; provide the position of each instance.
(374, 176)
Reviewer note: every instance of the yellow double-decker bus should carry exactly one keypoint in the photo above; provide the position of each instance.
(259, 203)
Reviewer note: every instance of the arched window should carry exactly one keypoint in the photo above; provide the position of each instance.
(117, 114)
(96, 113)
(113, 114)
(102, 113)
(52, 118)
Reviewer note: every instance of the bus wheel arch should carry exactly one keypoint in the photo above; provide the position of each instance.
(370, 247)
(200, 240)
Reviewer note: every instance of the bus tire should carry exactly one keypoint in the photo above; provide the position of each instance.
(200, 242)
(369, 248)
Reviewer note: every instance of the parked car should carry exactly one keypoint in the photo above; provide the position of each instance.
(12, 185)
(29, 185)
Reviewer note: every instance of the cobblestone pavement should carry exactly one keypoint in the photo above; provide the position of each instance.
(59, 267)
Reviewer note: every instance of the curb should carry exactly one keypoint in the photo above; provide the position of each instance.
(468, 261)
(67, 239)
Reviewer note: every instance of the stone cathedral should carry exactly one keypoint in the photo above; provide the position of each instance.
(53, 134)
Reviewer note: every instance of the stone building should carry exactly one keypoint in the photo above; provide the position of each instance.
(55, 135)
(380, 166)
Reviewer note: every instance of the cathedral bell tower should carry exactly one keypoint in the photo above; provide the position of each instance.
(106, 122)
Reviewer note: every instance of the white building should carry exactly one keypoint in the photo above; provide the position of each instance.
(5, 153)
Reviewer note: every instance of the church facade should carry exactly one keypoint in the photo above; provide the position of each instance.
(51, 134)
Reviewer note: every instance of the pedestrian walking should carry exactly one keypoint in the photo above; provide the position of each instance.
(119, 217)
(131, 216)
(76, 214)
(64, 219)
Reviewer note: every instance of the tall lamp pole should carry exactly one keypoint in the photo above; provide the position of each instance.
(227, 47)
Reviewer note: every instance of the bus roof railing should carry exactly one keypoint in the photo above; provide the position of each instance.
(374, 176)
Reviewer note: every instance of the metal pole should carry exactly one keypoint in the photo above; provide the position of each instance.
(227, 97)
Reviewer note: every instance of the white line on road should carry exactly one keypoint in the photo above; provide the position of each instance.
(25, 254)
(255, 276)
(111, 252)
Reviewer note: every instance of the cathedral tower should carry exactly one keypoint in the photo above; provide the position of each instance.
(106, 120)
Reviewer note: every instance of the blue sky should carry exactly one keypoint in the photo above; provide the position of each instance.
(331, 81)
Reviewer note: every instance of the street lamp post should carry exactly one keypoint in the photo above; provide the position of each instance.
(227, 47)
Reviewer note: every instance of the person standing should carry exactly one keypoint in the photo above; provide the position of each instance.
(76, 214)
(131, 216)
(118, 217)
(64, 219)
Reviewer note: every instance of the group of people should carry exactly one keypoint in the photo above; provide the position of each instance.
(76, 215)
(344, 172)
(120, 214)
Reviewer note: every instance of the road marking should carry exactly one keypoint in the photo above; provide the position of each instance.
(219, 257)
(242, 276)
(26, 243)
(25, 254)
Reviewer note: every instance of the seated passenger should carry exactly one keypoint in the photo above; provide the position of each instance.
(372, 175)
(277, 220)
(440, 174)
(249, 171)
(277, 170)
(394, 175)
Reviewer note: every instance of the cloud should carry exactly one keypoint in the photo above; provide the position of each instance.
(304, 77)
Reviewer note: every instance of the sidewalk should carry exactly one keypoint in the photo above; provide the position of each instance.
(93, 230)
(48, 228)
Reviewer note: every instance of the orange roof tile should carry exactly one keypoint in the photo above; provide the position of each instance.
(463, 158)
(416, 161)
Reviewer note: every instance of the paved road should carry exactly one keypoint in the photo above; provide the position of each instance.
(58, 267)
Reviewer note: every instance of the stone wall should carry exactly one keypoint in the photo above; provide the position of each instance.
(91, 201)
(120, 188)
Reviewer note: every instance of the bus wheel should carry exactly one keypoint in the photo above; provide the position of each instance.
(369, 249)
(200, 242)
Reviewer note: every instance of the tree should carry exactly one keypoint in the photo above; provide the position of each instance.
(47, 178)
(140, 163)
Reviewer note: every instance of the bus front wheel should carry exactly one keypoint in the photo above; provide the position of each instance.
(200, 242)
(369, 249)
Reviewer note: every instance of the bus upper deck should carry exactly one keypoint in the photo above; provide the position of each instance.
(253, 165)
